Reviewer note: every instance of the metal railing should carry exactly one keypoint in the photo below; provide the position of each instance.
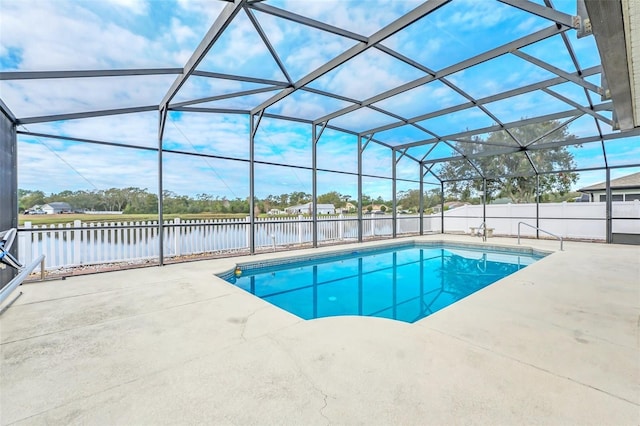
(6, 259)
(541, 230)
(6, 291)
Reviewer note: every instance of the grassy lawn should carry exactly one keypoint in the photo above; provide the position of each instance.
(54, 219)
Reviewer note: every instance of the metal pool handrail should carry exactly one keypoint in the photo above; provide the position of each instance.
(6, 241)
(18, 279)
(541, 230)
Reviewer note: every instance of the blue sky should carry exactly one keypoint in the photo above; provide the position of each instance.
(73, 34)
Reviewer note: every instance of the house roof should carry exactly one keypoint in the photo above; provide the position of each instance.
(59, 205)
(308, 205)
(625, 182)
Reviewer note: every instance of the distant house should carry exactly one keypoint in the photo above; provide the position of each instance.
(375, 208)
(308, 209)
(57, 207)
(625, 188)
(449, 205)
(349, 207)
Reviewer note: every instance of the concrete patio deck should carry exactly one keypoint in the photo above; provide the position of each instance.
(555, 343)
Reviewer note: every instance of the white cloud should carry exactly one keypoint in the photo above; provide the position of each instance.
(421, 100)
(76, 166)
(362, 120)
(27, 98)
(139, 7)
(66, 35)
(209, 133)
(307, 105)
(139, 129)
(204, 8)
(368, 74)
(472, 14)
(180, 31)
(359, 17)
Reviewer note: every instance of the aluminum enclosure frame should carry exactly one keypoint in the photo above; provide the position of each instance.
(559, 24)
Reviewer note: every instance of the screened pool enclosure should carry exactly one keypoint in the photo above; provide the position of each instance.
(407, 117)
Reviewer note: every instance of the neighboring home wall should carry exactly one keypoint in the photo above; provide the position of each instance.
(299, 209)
(625, 188)
(308, 209)
(348, 208)
(617, 195)
(57, 207)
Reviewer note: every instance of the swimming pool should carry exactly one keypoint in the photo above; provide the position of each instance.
(404, 283)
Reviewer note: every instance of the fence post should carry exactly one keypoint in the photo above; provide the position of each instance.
(248, 231)
(373, 225)
(26, 244)
(77, 242)
(300, 229)
(177, 231)
(340, 227)
(565, 227)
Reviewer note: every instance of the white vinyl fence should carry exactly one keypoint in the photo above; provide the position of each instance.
(569, 220)
(80, 243)
(95, 243)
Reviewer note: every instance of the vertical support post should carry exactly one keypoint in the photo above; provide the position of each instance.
(163, 121)
(421, 203)
(253, 128)
(360, 286)
(315, 291)
(314, 185)
(394, 213)
(252, 218)
(442, 207)
(537, 206)
(360, 228)
(422, 279)
(395, 285)
(9, 184)
(609, 208)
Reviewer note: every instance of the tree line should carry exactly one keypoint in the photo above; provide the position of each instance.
(133, 200)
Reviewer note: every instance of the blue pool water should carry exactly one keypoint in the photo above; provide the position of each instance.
(403, 283)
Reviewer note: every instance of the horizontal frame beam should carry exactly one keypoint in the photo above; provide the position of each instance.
(544, 12)
(84, 140)
(223, 76)
(87, 114)
(223, 96)
(43, 75)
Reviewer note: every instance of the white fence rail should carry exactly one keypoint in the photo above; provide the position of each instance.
(569, 220)
(95, 243)
(80, 243)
